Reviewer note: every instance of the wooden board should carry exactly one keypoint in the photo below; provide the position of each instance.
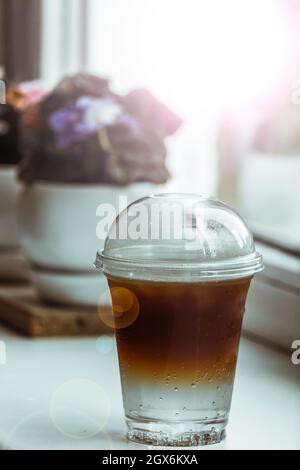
(21, 309)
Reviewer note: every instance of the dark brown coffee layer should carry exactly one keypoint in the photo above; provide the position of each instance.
(178, 332)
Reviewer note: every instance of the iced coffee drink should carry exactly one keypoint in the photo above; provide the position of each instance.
(178, 303)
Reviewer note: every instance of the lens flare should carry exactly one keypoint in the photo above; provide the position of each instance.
(80, 408)
(124, 308)
(105, 344)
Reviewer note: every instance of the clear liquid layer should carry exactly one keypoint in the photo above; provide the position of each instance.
(176, 404)
(160, 414)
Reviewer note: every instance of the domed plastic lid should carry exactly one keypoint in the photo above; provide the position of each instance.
(179, 237)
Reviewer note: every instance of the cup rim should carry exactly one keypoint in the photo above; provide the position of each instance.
(239, 267)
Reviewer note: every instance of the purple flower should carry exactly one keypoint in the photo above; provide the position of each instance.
(86, 116)
(83, 117)
(64, 123)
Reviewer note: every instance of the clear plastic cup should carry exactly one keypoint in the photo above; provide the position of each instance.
(178, 267)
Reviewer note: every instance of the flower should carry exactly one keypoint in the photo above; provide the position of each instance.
(25, 94)
(99, 112)
(86, 116)
(84, 132)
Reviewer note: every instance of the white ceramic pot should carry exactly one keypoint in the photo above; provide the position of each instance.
(58, 236)
(58, 222)
(9, 191)
(70, 288)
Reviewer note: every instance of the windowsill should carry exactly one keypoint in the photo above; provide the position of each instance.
(285, 239)
(273, 304)
(265, 410)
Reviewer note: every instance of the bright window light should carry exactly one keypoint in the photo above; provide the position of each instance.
(211, 53)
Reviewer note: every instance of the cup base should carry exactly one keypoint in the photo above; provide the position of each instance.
(174, 434)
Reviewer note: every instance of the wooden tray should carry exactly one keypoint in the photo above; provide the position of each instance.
(21, 309)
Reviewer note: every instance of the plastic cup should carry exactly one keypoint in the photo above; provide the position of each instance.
(179, 267)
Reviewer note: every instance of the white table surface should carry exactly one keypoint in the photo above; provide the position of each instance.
(265, 410)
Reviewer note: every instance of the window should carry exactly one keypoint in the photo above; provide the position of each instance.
(204, 60)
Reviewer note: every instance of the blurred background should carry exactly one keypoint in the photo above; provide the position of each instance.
(110, 98)
(230, 69)
(230, 72)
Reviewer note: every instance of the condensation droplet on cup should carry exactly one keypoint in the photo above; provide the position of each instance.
(175, 389)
